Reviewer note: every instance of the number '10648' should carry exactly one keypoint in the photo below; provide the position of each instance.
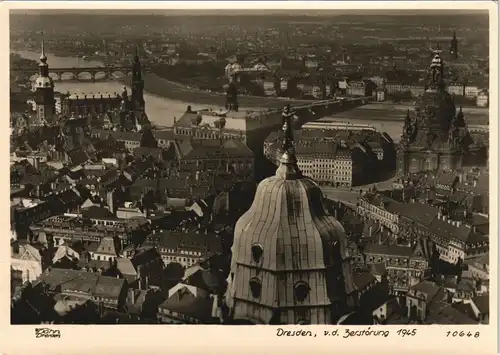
(462, 334)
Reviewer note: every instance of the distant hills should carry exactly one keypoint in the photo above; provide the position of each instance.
(252, 12)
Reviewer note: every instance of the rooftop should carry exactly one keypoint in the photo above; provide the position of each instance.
(392, 250)
(191, 240)
(185, 303)
(91, 283)
(445, 313)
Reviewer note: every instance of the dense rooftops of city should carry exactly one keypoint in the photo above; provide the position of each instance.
(132, 224)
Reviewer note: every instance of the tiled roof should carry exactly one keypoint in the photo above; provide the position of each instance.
(64, 251)
(87, 282)
(107, 246)
(78, 156)
(419, 212)
(465, 308)
(430, 289)
(144, 256)
(212, 149)
(165, 135)
(393, 250)
(446, 178)
(28, 252)
(125, 266)
(147, 151)
(96, 212)
(203, 279)
(126, 136)
(482, 303)
(187, 240)
(362, 279)
(444, 313)
(382, 201)
(184, 302)
(446, 230)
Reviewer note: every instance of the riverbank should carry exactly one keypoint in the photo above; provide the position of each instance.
(157, 86)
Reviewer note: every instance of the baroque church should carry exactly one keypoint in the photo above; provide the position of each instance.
(290, 259)
(435, 135)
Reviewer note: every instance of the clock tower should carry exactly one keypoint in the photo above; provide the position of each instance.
(44, 93)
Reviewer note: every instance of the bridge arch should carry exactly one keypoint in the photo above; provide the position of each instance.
(67, 75)
(84, 75)
(118, 72)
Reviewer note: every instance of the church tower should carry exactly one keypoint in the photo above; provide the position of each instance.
(44, 92)
(137, 84)
(454, 46)
(290, 261)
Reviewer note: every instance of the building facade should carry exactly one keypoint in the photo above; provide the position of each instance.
(84, 104)
(381, 209)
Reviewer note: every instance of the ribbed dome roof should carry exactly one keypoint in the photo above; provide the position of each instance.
(288, 218)
(289, 248)
(291, 224)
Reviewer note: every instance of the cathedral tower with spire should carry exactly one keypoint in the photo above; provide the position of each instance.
(290, 262)
(137, 84)
(44, 92)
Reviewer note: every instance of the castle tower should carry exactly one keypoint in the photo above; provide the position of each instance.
(44, 92)
(454, 46)
(290, 263)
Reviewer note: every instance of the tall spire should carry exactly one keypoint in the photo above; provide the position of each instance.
(137, 101)
(288, 168)
(136, 57)
(43, 57)
(454, 46)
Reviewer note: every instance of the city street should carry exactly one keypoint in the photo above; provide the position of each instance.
(345, 196)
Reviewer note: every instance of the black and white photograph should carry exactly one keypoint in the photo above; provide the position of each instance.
(250, 167)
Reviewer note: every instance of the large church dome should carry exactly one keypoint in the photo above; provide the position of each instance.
(290, 263)
(435, 107)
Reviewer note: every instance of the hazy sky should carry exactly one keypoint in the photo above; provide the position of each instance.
(251, 12)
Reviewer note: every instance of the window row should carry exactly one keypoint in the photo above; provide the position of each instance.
(300, 289)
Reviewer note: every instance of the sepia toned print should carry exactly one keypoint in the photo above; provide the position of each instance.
(245, 169)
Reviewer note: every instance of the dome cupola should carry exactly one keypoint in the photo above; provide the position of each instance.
(435, 108)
